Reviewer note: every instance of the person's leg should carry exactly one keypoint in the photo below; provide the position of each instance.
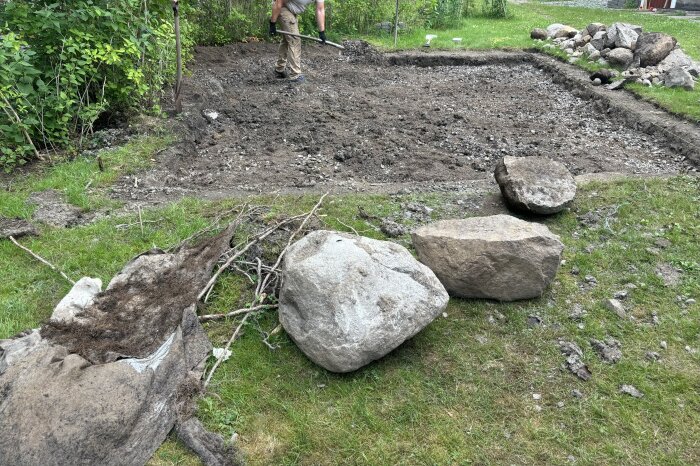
(284, 25)
(294, 47)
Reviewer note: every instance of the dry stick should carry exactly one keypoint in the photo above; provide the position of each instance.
(238, 254)
(140, 218)
(245, 310)
(124, 226)
(257, 287)
(250, 279)
(347, 226)
(291, 238)
(7, 108)
(228, 345)
(206, 297)
(40, 259)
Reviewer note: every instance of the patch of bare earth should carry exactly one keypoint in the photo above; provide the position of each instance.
(363, 125)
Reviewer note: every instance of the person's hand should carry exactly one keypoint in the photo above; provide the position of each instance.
(273, 28)
(322, 36)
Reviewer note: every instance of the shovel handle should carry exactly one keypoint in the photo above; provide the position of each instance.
(315, 39)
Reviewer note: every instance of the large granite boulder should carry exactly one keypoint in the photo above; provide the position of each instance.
(498, 257)
(652, 48)
(678, 77)
(676, 58)
(348, 300)
(621, 57)
(535, 184)
(556, 31)
(623, 35)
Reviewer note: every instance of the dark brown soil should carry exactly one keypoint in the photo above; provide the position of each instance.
(367, 125)
(143, 306)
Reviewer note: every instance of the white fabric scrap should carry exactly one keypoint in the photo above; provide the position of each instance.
(221, 353)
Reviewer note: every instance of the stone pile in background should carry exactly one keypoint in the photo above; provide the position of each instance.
(648, 58)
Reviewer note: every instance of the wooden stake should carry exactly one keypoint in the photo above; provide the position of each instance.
(396, 25)
(178, 53)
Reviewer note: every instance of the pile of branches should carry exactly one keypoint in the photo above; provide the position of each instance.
(262, 272)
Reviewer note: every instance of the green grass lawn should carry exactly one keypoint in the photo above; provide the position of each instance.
(479, 386)
(514, 32)
(462, 390)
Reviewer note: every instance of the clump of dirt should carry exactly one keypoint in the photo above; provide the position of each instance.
(359, 124)
(142, 306)
(360, 50)
(52, 209)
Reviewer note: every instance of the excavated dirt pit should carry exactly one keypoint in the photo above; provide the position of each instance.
(364, 122)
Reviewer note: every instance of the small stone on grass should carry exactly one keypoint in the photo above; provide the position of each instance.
(631, 390)
(616, 306)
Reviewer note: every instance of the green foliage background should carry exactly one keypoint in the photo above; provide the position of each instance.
(66, 64)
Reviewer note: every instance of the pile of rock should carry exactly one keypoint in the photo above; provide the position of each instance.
(348, 300)
(649, 58)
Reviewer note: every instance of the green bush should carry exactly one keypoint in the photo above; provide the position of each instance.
(219, 22)
(66, 63)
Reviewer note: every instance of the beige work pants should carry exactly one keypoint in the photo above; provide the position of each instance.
(290, 48)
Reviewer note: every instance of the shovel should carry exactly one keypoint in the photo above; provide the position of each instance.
(315, 39)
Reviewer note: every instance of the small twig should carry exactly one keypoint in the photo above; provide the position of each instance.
(40, 259)
(206, 298)
(226, 348)
(291, 239)
(124, 226)
(242, 251)
(247, 275)
(347, 226)
(238, 312)
(259, 273)
(140, 218)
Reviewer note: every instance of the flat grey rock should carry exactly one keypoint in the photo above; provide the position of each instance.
(348, 300)
(498, 257)
(678, 77)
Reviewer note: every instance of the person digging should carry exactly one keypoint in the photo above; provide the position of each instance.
(289, 56)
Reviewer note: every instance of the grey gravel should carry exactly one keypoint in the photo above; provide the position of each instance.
(608, 350)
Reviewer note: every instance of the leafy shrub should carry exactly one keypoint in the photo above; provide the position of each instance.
(66, 63)
(218, 22)
(496, 8)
